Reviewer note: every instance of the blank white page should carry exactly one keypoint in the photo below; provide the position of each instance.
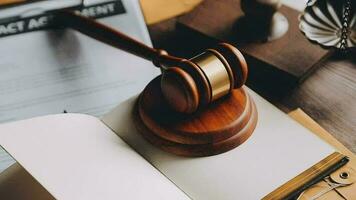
(76, 156)
(278, 150)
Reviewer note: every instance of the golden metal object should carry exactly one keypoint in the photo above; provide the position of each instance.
(216, 73)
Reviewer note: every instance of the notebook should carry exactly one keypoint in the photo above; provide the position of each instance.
(78, 156)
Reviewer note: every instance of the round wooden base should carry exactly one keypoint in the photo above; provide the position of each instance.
(220, 127)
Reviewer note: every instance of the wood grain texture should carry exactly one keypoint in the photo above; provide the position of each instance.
(220, 127)
(302, 55)
(329, 97)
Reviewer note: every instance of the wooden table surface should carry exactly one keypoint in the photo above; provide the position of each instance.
(328, 95)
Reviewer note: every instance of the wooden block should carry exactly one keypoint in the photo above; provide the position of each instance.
(291, 57)
(220, 127)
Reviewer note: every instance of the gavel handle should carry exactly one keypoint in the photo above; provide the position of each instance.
(112, 37)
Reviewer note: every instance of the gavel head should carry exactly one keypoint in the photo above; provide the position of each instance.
(196, 82)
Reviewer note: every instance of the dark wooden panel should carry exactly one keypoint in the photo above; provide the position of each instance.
(218, 19)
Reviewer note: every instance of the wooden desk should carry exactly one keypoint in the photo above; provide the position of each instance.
(328, 95)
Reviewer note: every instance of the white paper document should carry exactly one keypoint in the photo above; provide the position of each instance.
(47, 72)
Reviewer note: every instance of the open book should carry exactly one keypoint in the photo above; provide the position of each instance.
(77, 156)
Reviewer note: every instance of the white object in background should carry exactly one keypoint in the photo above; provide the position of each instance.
(296, 4)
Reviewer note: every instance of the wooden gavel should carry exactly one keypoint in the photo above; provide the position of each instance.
(186, 84)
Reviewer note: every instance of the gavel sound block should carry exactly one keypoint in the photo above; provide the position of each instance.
(220, 127)
(197, 107)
